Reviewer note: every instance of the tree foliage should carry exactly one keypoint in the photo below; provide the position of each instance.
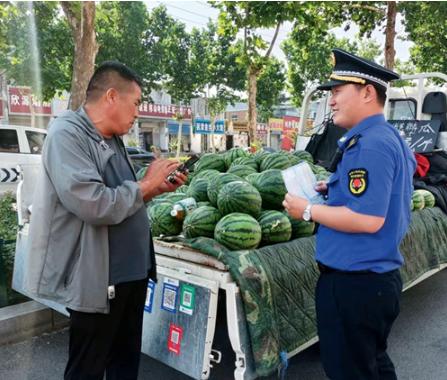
(425, 23)
(50, 69)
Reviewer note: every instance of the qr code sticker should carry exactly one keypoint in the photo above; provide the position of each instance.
(175, 337)
(187, 298)
(169, 298)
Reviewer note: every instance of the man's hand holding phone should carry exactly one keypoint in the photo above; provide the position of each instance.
(155, 181)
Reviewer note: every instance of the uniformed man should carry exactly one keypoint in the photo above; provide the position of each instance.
(361, 226)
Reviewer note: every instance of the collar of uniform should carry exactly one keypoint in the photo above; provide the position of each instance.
(360, 127)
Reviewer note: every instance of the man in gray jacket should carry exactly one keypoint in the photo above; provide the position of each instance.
(89, 235)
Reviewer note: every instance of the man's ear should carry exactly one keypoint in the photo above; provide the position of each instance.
(111, 95)
(369, 93)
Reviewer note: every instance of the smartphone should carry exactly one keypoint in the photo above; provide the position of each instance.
(183, 168)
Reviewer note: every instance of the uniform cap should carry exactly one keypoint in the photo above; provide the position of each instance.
(348, 68)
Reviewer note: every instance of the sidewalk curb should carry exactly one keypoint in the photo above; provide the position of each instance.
(25, 320)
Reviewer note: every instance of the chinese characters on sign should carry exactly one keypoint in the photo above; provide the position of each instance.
(421, 136)
(20, 100)
(289, 132)
(261, 129)
(164, 111)
(204, 126)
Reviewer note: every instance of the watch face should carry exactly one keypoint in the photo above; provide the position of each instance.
(306, 215)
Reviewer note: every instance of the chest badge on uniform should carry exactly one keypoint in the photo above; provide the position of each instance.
(358, 181)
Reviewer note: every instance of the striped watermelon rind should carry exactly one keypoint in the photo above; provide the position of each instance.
(216, 183)
(300, 228)
(418, 200)
(239, 196)
(275, 227)
(304, 155)
(210, 161)
(233, 154)
(241, 170)
(162, 223)
(238, 231)
(198, 189)
(274, 161)
(201, 222)
(429, 198)
(270, 185)
(248, 161)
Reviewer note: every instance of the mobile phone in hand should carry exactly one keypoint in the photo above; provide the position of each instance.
(183, 168)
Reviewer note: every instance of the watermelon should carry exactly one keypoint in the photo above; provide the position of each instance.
(429, 198)
(293, 160)
(141, 173)
(216, 183)
(233, 154)
(317, 169)
(162, 223)
(300, 228)
(198, 189)
(248, 161)
(418, 200)
(206, 173)
(201, 222)
(274, 161)
(259, 156)
(182, 189)
(304, 155)
(210, 161)
(173, 197)
(275, 227)
(239, 196)
(241, 170)
(251, 178)
(238, 231)
(203, 203)
(270, 185)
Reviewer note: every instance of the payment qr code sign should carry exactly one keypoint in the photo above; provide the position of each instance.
(149, 296)
(187, 299)
(169, 299)
(175, 338)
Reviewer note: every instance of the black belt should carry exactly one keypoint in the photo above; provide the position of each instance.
(326, 270)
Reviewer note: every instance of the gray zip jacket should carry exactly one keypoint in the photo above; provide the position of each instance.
(72, 209)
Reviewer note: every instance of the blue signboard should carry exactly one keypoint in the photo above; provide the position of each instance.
(203, 126)
(173, 128)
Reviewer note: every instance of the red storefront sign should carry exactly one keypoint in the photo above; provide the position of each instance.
(164, 111)
(289, 132)
(20, 99)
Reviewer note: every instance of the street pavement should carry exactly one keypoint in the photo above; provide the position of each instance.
(417, 345)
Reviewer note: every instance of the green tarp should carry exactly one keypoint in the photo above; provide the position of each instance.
(277, 283)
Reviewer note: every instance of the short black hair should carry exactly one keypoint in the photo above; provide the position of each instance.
(110, 74)
(380, 91)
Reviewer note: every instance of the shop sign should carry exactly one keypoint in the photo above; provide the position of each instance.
(173, 128)
(167, 111)
(289, 132)
(204, 127)
(261, 129)
(276, 126)
(20, 100)
(240, 126)
(1, 108)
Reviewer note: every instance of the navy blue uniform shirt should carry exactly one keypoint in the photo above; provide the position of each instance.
(374, 178)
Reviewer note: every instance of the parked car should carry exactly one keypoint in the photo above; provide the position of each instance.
(19, 146)
(139, 157)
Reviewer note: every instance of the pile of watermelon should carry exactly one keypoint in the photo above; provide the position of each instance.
(422, 199)
(239, 197)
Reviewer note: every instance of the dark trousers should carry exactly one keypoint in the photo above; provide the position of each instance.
(355, 313)
(108, 343)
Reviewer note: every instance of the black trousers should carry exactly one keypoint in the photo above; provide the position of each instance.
(355, 313)
(108, 343)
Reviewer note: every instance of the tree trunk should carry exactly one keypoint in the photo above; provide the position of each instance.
(82, 24)
(252, 114)
(390, 34)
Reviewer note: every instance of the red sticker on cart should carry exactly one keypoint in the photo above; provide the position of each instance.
(175, 338)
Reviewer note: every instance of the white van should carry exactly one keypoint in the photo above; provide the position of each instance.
(20, 149)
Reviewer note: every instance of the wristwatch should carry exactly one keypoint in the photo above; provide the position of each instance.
(307, 215)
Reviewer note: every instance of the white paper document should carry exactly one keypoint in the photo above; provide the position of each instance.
(300, 181)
